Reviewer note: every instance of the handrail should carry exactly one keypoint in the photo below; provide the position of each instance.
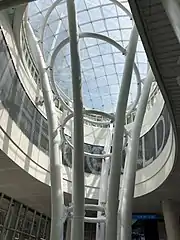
(33, 161)
(40, 133)
(28, 56)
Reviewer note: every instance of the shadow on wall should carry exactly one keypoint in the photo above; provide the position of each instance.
(22, 111)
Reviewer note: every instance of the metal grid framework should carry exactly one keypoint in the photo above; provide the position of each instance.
(17, 221)
(101, 68)
(20, 222)
(101, 64)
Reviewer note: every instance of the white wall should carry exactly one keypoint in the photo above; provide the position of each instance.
(93, 135)
(18, 147)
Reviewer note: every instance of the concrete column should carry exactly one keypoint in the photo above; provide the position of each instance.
(171, 219)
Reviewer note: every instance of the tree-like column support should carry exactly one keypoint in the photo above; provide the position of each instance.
(115, 172)
(77, 232)
(128, 184)
(57, 198)
(100, 228)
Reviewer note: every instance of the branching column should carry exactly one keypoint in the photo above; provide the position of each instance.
(57, 198)
(128, 184)
(77, 232)
(114, 181)
(100, 229)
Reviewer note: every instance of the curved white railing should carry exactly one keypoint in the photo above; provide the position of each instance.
(36, 163)
(20, 147)
(35, 74)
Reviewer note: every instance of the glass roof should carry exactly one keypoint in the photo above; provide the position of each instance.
(101, 63)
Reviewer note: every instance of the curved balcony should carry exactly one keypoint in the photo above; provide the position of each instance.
(24, 136)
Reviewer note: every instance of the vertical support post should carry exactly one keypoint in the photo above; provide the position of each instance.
(130, 164)
(32, 225)
(57, 198)
(7, 218)
(12, 221)
(115, 173)
(17, 221)
(171, 219)
(38, 227)
(100, 228)
(21, 237)
(45, 226)
(77, 232)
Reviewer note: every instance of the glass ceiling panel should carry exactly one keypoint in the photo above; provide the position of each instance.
(101, 64)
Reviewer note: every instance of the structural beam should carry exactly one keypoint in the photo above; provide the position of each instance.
(128, 184)
(77, 232)
(115, 172)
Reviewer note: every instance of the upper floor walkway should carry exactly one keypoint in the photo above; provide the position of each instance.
(24, 139)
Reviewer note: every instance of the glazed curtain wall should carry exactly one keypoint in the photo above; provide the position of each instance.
(14, 98)
(17, 221)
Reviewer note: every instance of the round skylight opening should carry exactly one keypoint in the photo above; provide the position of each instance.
(102, 67)
(111, 18)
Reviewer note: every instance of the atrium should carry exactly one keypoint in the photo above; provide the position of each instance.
(89, 119)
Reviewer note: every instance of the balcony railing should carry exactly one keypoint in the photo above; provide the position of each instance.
(31, 66)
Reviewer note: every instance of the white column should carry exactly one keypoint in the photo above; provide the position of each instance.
(100, 229)
(128, 184)
(77, 230)
(171, 219)
(115, 173)
(57, 198)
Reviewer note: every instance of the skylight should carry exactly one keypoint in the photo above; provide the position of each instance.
(101, 63)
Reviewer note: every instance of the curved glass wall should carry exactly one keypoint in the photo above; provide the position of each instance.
(101, 63)
(15, 100)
